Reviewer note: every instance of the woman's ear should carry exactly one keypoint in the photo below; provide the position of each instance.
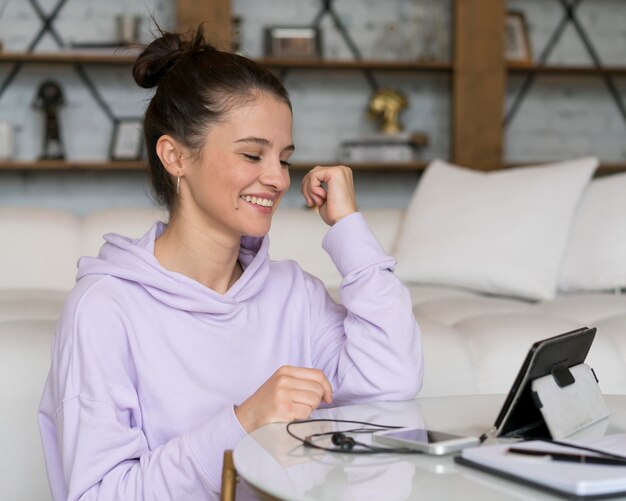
(170, 153)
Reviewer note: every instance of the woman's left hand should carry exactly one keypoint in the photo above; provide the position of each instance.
(331, 190)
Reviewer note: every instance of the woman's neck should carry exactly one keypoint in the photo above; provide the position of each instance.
(199, 253)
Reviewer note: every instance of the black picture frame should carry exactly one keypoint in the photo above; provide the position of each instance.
(127, 139)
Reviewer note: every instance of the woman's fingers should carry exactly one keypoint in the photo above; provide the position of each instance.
(331, 189)
(290, 393)
(303, 379)
(312, 189)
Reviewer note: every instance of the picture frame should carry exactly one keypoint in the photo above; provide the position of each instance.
(516, 41)
(301, 42)
(127, 139)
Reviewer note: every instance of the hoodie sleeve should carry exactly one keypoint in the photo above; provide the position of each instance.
(98, 419)
(369, 348)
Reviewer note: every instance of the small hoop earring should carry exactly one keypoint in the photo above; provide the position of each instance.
(178, 185)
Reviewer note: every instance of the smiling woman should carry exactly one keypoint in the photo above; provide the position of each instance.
(173, 346)
(226, 187)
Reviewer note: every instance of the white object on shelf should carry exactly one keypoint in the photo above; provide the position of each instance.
(401, 147)
(6, 141)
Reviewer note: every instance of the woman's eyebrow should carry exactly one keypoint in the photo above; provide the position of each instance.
(262, 141)
(252, 139)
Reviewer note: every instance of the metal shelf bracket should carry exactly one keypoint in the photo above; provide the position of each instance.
(569, 16)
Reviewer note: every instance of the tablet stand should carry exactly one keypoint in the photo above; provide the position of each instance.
(569, 399)
(554, 393)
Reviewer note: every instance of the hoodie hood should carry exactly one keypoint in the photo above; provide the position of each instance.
(133, 260)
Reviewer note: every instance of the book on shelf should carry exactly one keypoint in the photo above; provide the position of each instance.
(385, 148)
(574, 480)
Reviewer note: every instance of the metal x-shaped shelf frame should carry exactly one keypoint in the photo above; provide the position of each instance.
(327, 8)
(48, 27)
(569, 16)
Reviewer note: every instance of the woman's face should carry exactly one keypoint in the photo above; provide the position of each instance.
(241, 174)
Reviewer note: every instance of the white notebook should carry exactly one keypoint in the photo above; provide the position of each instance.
(574, 479)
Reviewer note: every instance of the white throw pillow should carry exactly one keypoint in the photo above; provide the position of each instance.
(501, 232)
(595, 256)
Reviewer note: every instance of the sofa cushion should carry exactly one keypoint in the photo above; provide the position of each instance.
(446, 364)
(595, 257)
(31, 304)
(500, 232)
(39, 248)
(132, 223)
(24, 363)
(476, 343)
(289, 241)
(611, 364)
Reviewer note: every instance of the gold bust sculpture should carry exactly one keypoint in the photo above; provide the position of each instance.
(388, 104)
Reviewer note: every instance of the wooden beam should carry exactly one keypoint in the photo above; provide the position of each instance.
(215, 14)
(478, 83)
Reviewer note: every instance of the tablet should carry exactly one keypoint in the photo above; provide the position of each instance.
(519, 416)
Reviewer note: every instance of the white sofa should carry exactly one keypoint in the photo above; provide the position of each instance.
(473, 343)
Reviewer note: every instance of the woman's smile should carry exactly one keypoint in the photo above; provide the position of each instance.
(262, 203)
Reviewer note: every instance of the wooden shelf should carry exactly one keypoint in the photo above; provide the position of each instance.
(124, 57)
(606, 169)
(361, 166)
(139, 165)
(56, 165)
(566, 70)
(337, 64)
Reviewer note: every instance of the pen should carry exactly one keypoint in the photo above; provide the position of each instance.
(563, 456)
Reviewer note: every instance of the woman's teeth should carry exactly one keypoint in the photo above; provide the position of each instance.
(258, 201)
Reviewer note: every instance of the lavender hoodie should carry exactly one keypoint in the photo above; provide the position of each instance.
(147, 364)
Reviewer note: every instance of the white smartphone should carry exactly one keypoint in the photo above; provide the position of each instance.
(428, 441)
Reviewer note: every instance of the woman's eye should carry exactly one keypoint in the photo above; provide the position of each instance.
(284, 163)
(253, 158)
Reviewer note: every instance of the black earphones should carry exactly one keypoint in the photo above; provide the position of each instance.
(344, 442)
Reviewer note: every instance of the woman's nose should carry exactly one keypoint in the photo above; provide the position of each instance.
(276, 175)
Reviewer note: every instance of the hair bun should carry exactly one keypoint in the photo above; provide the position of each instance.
(163, 53)
(157, 59)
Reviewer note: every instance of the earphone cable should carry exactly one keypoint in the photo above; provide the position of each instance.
(368, 449)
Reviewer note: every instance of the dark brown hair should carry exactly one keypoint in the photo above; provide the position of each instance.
(196, 84)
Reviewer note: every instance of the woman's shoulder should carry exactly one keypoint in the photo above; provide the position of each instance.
(93, 323)
(95, 293)
(287, 268)
(289, 271)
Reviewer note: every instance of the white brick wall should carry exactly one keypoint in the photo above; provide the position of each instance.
(79, 20)
(570, 116)
(561, 117)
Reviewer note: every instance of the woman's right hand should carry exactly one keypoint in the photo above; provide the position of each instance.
(290, 393)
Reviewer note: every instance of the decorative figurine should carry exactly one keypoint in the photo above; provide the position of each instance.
(391, 144)
(50, 99)
(388, 104)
